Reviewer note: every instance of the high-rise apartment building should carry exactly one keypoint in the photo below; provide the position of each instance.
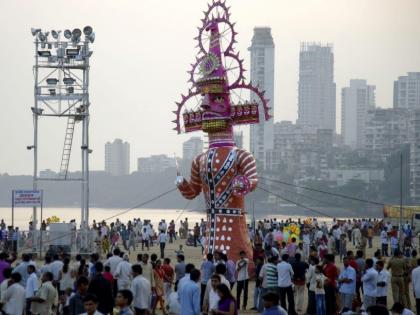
(407, 91)
(117, 158)
(386, 130)
(262, 74)
(356, 100)
(316, 101)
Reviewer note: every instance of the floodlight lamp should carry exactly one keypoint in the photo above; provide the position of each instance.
(91, 37)
(37, 111)
(87, 30)
(54, 34)
(52, 81)
(72, 52)
(42, 37)
(76, 32)
(30, 147)
(69, 81)
(35, 31)
(67, 34)
(44, 53)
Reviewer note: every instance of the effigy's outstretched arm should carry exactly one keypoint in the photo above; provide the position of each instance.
(192, 188)
(247, 179)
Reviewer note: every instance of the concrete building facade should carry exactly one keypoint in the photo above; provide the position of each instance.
(117, 157)
(262, 74)
(356, 100)
(317, 90)
(407, 91)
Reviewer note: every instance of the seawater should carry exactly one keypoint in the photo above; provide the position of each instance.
(22, 216)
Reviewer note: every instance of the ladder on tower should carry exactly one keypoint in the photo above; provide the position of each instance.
(68, 141)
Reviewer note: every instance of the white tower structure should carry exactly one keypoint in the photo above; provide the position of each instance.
(61, 90)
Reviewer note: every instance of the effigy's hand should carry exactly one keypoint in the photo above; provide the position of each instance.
(179, 181)
(241, 185)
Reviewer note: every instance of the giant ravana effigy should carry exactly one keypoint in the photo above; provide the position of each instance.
(214, 104)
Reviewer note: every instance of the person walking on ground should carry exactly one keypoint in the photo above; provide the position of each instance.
(123, 300)
(320, 291)
(179, 269)
(76, 301)
(398, 267)
(299, 270)
(123, 273)
(347, 284)
(242, 271)
(330, 284)
(384, 242)
(43, 303)
(147, 270)
(227, 304)
(207, 269)
(102, 289)
(196, 234)
(168, 277)
(31, 287)
(13, 298)
(271, 305)
(269, 279)
(370, 281)
(142, 291)
(311, 283)
(284, 283)
(162, 239)
(383, 281)
(189, 295)
(415, 278)
(211, 298)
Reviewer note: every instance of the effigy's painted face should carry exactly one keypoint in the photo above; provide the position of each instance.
(215, 112)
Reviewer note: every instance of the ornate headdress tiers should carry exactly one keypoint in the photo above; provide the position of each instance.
(216, 74)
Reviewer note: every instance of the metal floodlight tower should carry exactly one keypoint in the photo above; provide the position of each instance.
(61, 90)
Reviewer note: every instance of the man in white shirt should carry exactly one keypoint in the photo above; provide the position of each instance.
(242, 271)
(370, 281)
(56, 266)
(14, 297)
(32, 286)
(415, 278)
(142, 291)
(186, 277)
(123, 273)
(384, 241)
(383, 281)
(114, 260)
(284, 282)
(162, 239)
(347, 282)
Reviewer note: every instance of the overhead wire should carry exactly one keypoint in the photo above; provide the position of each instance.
(115, 215)
(325, 192)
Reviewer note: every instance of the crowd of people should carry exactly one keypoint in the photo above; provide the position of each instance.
(294, 270)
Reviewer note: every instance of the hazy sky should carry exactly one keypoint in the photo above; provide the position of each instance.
(143, 49)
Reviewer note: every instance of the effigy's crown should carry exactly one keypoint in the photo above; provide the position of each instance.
(216, 76)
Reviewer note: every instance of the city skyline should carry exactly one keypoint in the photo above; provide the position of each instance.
(366, 46)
